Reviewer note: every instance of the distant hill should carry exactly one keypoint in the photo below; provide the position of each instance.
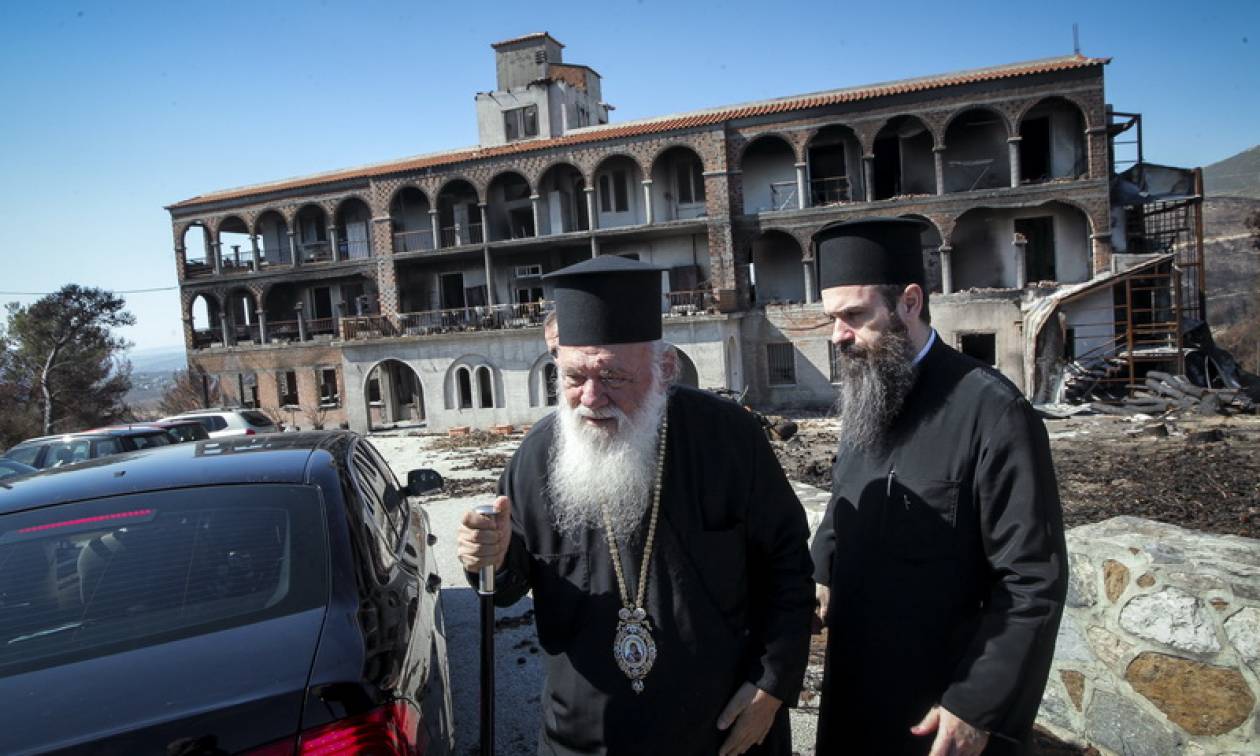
(158, 360)
(1237, 176)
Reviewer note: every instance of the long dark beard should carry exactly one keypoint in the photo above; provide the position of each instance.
(874, 383)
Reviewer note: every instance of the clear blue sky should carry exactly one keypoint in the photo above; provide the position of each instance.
(113, 109)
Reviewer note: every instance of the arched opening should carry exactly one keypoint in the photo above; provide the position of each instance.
(1052, 142)
(274, 236)
(197, 260)
(312, 234)
(459, 218)
(977, 155)
(463, 387)
(619, 193)
(777, 272)
(686, 373)
(235, 246)
(1009, 248)
(354, 240)
(551, 384)
(393, 394)
(410, 222)
(769, 175)
(834, 157)
(509, 210)
(204, 312)
(930, 238)
(485, 388)
(903, 162)
(562, 192)
(678, 185)
(281, 304)
(242, 316)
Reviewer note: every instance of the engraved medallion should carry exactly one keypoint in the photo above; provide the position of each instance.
(634, 650)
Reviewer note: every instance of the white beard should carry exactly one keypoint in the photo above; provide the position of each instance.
(590, 466)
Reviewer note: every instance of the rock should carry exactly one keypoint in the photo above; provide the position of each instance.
(1074, 682)
(1243, 630)
(1146, 581)
(1110, 648)
(1054, 708)
(1200, 698)
(1219, 604)
(1173, 618)
(1162, 553)
(1070, 645)
(1115, 579)
(1082, 577)
(1121, 726)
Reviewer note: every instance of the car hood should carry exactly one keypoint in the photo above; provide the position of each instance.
(221, 692)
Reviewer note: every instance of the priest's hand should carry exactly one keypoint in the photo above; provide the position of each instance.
(954, 737)
(752, 712)
(483, 541)
(822, 595)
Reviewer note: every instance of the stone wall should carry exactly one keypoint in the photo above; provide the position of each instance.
(1159, 649)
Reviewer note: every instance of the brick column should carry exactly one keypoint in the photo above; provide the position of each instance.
(1096, 147)
(807, 263)
(1102, 252)
(215, 251)
(801, 204)
(301, 319)
(435, 229)
(332, 243)
(261, 316)
(293, 250)
(591, 218)
(1021, 261)
(253, 245)
(223, 327)
(947, 269)
(181, 262)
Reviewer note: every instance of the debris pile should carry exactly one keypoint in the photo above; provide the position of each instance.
(1164, 392)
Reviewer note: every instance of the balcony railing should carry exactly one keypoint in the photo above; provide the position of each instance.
(358, 249)
(783, 195)
(413, 241)
(690, 302)
(484, 318)
(247, 332)
(315, 252)
(829, 191)
(319, 326)
(197, 267)
(282, 330)
(454, 236)
(204, 338)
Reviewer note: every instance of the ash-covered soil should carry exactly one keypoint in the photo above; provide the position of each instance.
(1199, 473)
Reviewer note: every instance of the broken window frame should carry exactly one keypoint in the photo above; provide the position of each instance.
(781, 364)
(329, 387)
(520, 123)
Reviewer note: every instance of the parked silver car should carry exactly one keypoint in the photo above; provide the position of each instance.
(228, 422)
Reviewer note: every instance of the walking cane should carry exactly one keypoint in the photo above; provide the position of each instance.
(485, 591)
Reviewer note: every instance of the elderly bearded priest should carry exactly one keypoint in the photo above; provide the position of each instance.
(667, 553)
(942, 547)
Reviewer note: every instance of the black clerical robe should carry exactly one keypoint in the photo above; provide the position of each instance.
(947, 566)
(729, 596)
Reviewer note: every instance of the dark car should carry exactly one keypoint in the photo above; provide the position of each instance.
(265, 595)
(9, 468)
(56, 451)
(184, 430)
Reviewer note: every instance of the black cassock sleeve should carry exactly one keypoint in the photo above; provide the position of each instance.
(823, 550)
(778, 536)
(998, 683)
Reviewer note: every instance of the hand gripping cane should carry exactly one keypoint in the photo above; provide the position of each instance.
(485, 591)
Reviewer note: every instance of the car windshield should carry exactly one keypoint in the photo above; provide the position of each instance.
(256, 419)
(88, 579)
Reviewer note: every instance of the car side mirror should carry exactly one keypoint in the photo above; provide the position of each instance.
(423, 481)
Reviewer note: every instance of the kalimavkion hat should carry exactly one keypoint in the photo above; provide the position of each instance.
(607, 300)
(875, 251)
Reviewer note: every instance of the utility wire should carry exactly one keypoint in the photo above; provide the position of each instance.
(51, 292)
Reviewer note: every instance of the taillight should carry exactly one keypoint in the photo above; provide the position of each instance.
(249, 431)
(393, 730)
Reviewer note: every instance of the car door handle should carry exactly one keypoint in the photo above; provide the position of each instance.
(433, 583)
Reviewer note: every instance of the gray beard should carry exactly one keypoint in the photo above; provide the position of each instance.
(873, 386)
(589, 467)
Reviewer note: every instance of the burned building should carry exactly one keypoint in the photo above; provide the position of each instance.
(411, 291)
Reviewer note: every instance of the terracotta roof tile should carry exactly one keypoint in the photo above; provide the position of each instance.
(661, 124)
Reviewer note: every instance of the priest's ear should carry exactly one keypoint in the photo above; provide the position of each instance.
(912, 305)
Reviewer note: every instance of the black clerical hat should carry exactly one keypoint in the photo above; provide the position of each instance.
(875, 251)
(607, 300)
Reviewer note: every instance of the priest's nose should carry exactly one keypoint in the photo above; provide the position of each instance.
(593, 395)
(841, 334)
